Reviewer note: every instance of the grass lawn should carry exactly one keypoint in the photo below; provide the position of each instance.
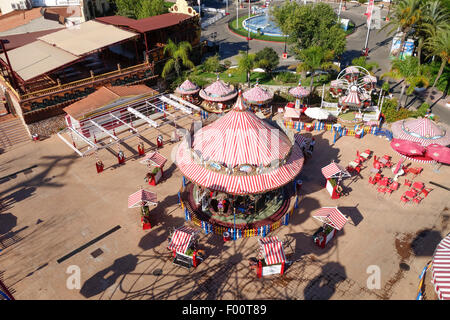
(241, 31)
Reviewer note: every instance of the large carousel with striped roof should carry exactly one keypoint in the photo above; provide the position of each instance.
(237, 171)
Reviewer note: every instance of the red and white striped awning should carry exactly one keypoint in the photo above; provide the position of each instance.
(351, 98)
(155, 159)
(333, 170)
(142, 198)
(424, 131)
(331, 216)
(181, 239)
(292, 113)
(441, 269)
(272, 249)
(240, 137)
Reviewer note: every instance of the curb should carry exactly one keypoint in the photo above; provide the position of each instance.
(237, 34)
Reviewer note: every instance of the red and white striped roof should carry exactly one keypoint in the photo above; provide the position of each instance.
(181, 239)
(332, 171)
(300, 139)
(274, 178)
(299, 92)
(187, 87)
(155, 159)
(441, 269)
(257, 95)
(218, 91)
(140, 198)
(351, 98)
(272, 249)
(239, 138)
(331, 216)
(424, 131)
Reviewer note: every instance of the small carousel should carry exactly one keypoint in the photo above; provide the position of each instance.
(294, 111)
(188, 91)
(258, 99)
(218, 96)
(239, 167)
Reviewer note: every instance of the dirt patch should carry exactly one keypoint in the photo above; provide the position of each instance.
(403, 245)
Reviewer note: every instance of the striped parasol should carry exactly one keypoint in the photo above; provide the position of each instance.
(257, 95)
(218, 91)
(441, 269)
(351, 69)
(141, 198)
(299, 91)
(317, 113)
(370, 79)
(188, 88)
(422, 130)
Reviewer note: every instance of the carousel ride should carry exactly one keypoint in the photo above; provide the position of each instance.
(188, 91)
(218, 96)
(293, 111)
(421, 140)
(353, 88)
(238, 167)
(258, 99)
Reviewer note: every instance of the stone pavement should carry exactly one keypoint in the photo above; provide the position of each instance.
(59, 203)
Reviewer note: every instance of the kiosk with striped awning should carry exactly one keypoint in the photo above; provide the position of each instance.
(157, 161)
(334, 173)
(143, 199)
(272, 257)
(333, 220)
(183, 244)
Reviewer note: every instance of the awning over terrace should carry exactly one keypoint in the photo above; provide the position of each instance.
(272, 250)
(181, 239)
(333, 170)
(142, 198)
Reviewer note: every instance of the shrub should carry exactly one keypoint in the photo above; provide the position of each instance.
(286, 77)
(422, 110)
(391, 114)
(212, 64)
(227, 63)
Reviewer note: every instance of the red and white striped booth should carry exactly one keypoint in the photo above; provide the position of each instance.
(272, 257)
(143, 199)
(441, 269)
(182, 244)
(157, 161)
(332, 173)
(333, 221)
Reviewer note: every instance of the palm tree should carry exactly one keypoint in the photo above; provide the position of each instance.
(405, 16)
(246, 63)
(409, 72)
(179, 56)
(438, 43)
(315, 58)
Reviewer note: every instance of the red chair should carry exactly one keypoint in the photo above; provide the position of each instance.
(407, 183)
(389, 191)
(417, 200)
(404, 199)
(394, 186)
(418, 185)
(372, 180)
(381, 189)
(388, 158)
(425, 192)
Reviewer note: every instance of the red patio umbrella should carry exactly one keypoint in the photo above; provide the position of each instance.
(439, 153)
(407, 147)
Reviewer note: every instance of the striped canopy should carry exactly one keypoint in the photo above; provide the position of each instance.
(351, 99)
(331, 216)
(187, 87)
(299, 92)
(300, 139)
(370, 79)
(240, 138)
(218, 91)
(333, 170)
(441, 269)
(292, 113)
(257, 95)
(335, 83)
(141, 198)
(155, 159)
(352, 69)
(181, 239)
(423, 130)
(272, 250)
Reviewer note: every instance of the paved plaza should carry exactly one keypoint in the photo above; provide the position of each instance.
(60, 204)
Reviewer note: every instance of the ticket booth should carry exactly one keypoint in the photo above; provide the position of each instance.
(184, 245)
(143, 199)
(333, 220)
(334, 173)
(271, 259)
(155, 162)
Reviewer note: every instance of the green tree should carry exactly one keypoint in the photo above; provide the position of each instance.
(439, 44)
(362, 62)
(212, 64)
(315, 58)
(309, 25)
(150, 8)
(246, 63)
(409, 72)
(178, 57)
(267, 59)
(405, 15)
(128, 8)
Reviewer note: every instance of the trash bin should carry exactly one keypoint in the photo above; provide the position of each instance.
(298, 185)
(226, 236)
